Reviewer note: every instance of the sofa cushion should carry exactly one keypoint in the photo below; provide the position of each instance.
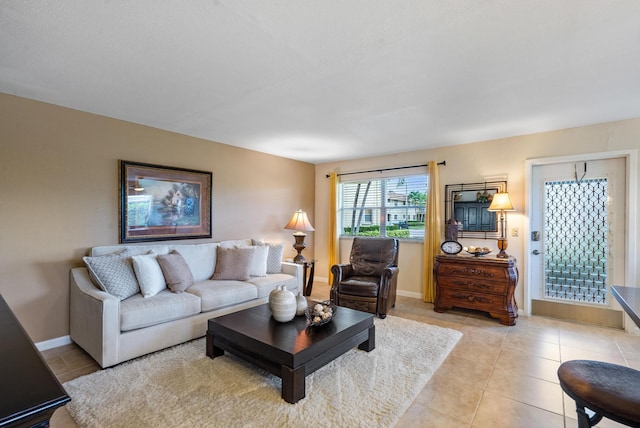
(149, 275)
(133, 250)
(365, 286)
(138, 312)
(221, 293)
(233, 263)
(114, 274)
(236, 243)
(176, 271)
(201, 259)
(266, 284)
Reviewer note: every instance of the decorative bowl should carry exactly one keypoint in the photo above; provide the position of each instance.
(479, 253)
(320, 313)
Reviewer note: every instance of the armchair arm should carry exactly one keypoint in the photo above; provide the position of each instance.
(340, 272)
(388, 283)
(94, 318)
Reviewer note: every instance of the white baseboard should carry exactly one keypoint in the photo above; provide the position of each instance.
(321, 279)
(411, 294)
(53, 343)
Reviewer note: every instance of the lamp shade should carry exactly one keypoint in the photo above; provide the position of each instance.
(501, 202)
(299, 221)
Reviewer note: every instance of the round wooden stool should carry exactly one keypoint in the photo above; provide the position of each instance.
(609, 390)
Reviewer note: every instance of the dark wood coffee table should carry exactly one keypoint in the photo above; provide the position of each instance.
(289, 350)
(30, 392)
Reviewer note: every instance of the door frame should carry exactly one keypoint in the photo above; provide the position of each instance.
(631, 176)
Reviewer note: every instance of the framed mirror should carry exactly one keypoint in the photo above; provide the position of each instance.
(467, 204)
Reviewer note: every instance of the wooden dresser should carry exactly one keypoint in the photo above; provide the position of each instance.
(481, 283)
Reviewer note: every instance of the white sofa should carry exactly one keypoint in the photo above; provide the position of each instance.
(114, 329)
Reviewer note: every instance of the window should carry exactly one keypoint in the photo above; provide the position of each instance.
(389, 206)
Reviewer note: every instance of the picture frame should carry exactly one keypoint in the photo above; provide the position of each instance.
(470, 201)
(160, 203)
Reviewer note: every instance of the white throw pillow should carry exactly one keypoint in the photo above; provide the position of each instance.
(149, 274)
(259, 261)
(274, 259)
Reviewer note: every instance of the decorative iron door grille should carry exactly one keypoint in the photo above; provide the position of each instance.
(576, 240)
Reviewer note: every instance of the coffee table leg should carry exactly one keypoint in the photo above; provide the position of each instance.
(370, 343)
(293, 384)
(212, 351)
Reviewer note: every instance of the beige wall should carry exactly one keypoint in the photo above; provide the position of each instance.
(471, 163)
(59, 196)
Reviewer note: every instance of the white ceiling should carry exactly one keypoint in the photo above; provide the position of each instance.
(329, 80)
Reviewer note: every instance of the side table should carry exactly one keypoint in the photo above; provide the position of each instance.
(308, 269)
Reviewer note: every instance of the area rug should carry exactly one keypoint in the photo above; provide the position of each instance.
(182, 387)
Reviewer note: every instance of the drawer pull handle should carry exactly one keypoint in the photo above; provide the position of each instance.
(470, 298)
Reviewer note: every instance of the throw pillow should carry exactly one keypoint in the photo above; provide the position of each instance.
(149, 274)
(176, 271)
(114, 274)
(274, 259)
(258, 265)
(234, 263)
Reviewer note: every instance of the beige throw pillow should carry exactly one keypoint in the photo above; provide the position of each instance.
(234, 263)
(176, 271)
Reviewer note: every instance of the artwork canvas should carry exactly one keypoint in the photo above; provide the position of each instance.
(160, 202)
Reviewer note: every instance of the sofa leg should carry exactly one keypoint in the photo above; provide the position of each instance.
(382, 316)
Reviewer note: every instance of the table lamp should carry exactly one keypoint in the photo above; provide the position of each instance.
(501, 203)
(300, 223)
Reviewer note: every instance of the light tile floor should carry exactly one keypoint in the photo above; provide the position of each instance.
(496, 376)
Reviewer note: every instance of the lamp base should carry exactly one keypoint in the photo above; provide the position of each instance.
(299, 245)
(502, 245)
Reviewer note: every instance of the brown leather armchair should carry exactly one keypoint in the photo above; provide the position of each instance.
(369, 282)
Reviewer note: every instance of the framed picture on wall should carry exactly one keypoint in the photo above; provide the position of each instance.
(160, 203)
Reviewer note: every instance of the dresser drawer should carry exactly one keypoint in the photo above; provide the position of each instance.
(474, 271)
(472, 284)
(470, 300)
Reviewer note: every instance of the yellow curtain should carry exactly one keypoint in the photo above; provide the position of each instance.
(433, 232)
(334, 249)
